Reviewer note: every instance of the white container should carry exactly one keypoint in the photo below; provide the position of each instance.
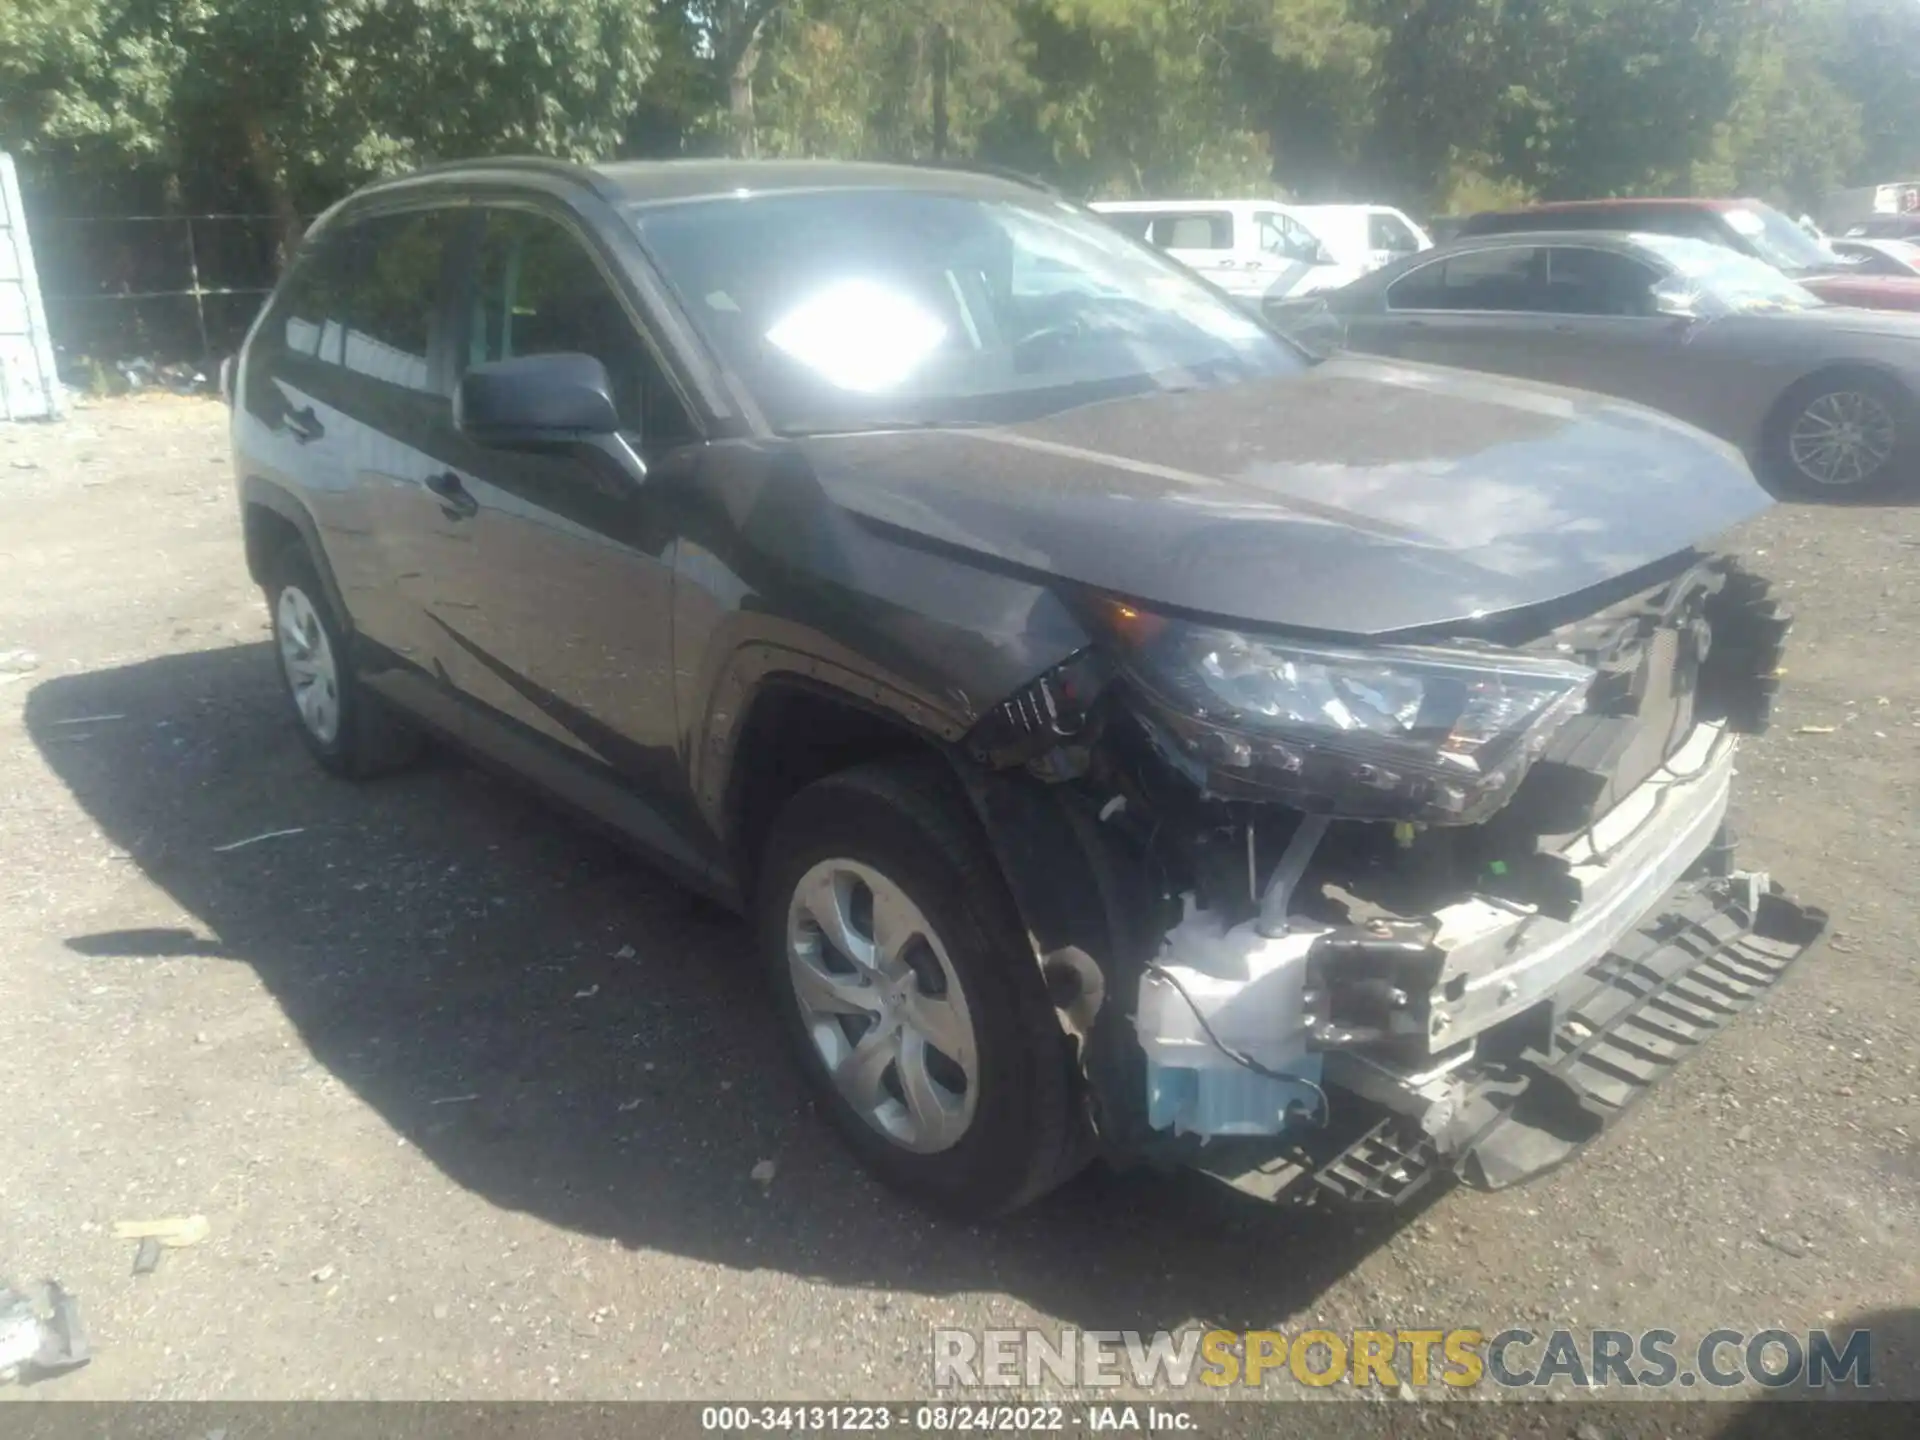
(1248, 988)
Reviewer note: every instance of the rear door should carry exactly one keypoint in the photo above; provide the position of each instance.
(346, 392)
(568, 654)
(1477, 309)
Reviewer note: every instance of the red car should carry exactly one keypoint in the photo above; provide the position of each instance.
(1750, 226)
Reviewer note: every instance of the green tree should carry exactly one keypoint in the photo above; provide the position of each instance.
(1792, 132)
(892, 79)
(1879, 68)
(311, 97)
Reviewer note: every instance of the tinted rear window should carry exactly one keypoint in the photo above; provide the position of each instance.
(365, 297)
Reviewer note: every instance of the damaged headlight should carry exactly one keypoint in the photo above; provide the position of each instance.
(1435, 735)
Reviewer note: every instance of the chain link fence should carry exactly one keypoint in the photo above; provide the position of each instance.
(140, 300)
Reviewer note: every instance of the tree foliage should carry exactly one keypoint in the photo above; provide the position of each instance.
(1431, 103)
(299, 100)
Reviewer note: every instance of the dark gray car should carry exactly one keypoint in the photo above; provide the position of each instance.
(1819, 397)
(1126, 735)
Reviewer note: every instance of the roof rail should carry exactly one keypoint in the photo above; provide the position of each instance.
(531, 164)
(987, 167)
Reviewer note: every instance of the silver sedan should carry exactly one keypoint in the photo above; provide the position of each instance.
(1821, 398)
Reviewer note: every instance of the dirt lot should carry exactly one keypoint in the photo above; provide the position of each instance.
(471, 1102)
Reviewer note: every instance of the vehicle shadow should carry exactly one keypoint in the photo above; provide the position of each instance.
(565, 1034)
(1838, 1412)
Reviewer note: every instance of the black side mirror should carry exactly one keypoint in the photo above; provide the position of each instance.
(537, 400)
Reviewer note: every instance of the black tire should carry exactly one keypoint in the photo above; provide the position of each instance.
(1785, 474)
(369, 739)
(905, 819)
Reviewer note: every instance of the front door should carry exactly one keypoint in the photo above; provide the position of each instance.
(1467, 309)
(568, 653)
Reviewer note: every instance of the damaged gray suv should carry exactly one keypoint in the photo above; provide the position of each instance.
(1128, 737)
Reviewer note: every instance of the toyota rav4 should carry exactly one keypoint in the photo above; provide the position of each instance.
(1127, 736)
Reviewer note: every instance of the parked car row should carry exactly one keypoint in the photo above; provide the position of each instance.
(1750, 227)
(1267, 251)
(1725, 313)
(1819, 397)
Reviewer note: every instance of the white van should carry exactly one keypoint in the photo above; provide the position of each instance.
(1256, 249)
(1365, 235)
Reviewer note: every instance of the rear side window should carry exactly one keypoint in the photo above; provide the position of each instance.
(367, 297)
(1129, 222)
(311, 318)
(537, 290)
(1196, 230)
(1503, 279)
(1285, 236)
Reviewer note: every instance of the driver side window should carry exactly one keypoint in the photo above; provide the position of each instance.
(536, 290)
(1284, 236)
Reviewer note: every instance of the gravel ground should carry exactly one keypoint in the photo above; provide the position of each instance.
(473, 1104)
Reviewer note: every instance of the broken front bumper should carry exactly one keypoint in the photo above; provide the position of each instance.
(1707, 951)
(1511, 1036)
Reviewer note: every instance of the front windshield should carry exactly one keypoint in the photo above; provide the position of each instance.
(1730, 281)
(1780, 242)
(850, 309)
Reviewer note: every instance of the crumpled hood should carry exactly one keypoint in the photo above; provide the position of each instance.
(1359, 498)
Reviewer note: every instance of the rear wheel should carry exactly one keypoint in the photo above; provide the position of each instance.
(910, 993)
(349, 731)
(1843, 435)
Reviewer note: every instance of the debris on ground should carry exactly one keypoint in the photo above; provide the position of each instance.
(18, 662)
(625, 952)
(36, 1344)
(256, 839)
(173, 1233)
(764, 1172)
(1816, 729)
(322, 1275)
(140, 373)
(146, 1259)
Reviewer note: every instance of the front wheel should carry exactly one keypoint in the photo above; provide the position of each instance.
(1842, 436)
(910, 993)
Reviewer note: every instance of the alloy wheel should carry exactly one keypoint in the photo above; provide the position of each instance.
(1843, 438)
(882, 1005)
(306, 658)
